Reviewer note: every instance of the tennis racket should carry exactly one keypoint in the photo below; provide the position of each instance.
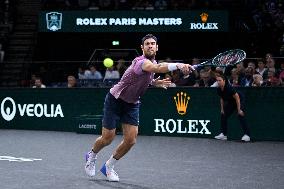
(227, 58)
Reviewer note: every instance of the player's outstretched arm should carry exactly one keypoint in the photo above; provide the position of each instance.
(165, 67)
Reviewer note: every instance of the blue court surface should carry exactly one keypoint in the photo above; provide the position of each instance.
(55, 160)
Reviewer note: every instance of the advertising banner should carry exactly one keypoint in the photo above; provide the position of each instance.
(179, 112)
(133, 21)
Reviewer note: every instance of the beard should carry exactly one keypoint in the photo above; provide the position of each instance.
(150, 55)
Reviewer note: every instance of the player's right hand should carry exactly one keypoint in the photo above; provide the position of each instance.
(185, 68)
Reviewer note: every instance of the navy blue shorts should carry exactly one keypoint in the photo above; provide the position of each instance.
(118, 111)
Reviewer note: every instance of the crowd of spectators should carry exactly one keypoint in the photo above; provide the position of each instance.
(260, 72)
(249, 73)
(126, 4)
(268, 15)
(271, 5)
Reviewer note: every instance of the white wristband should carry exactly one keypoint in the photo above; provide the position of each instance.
(172, 66)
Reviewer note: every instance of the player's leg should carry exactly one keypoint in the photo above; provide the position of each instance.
(129, 139)
(105, 139)
(130, 120)
(109, 122)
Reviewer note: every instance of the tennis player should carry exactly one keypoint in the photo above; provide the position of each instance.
(122, 105)
(230, 101)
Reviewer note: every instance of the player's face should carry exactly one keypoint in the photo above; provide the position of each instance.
(149, 48)
(220, 81)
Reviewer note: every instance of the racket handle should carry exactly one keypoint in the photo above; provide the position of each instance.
(195, 66)
(198, 67)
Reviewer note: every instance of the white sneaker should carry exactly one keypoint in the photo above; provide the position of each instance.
(111, 175)
(246, 138)
(221, 136)
(90, 166)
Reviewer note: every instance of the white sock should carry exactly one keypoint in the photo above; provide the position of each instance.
(93, 155)
(111, 161)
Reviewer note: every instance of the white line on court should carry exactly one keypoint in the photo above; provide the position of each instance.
(20, 159)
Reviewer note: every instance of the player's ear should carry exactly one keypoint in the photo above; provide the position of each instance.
(142, 47)
(157, 47)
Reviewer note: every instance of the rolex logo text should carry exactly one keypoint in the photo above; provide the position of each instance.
(180, 125)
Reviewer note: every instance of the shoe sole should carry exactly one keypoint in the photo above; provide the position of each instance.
(245, 140)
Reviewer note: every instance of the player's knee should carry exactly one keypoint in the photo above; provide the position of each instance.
(107, 140)
(130, 141)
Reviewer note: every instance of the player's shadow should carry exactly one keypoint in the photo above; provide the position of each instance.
(119, 185)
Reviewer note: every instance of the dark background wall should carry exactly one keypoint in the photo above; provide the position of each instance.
(177, 45)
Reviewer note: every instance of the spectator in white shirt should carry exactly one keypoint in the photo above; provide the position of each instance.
(111, 73)
(94, 73)
(81, 73)
(261, 67)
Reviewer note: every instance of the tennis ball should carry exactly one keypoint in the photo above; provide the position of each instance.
(108, 62)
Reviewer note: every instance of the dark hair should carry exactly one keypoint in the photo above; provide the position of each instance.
(220, 74)
(223, 76)
(148, 36)
(38, 78)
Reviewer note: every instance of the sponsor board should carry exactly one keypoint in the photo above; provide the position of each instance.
(182, 126)
(133, 21)
(10, 109)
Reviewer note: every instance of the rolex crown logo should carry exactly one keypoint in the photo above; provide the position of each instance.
(181, 100)
(204, 17)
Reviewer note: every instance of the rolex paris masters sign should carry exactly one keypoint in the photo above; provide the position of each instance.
(128, 21)
(133, 21)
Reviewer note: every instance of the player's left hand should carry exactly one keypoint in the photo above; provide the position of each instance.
(163, 83)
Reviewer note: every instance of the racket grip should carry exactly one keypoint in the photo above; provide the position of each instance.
(196, 66)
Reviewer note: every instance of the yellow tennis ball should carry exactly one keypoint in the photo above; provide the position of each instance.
(108, 62)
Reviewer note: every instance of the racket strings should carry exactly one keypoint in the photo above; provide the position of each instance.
(232, 57)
